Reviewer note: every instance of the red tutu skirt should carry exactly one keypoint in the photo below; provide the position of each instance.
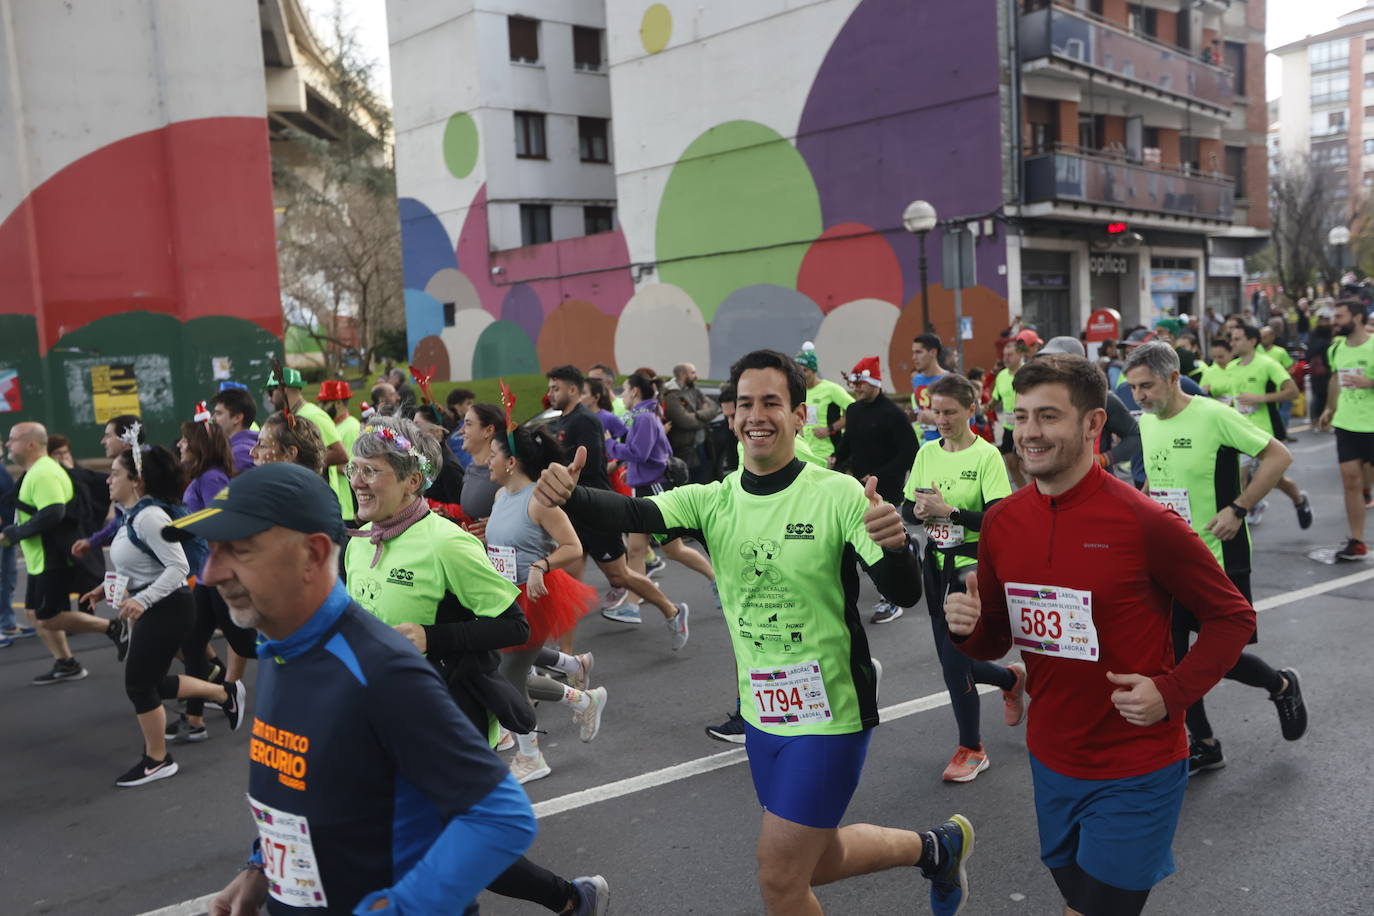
(568, 601)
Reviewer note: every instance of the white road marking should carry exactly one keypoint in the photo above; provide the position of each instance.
(622, 787)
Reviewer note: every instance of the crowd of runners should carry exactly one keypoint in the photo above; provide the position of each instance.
(396, 590)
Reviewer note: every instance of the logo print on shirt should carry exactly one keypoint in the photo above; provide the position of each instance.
(1182, 442)
(759, 558)
(801, 531)
(969, 474)
(399, 576)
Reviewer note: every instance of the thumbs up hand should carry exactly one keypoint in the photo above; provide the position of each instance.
(883, 523)
(963, 609)
(558, 480)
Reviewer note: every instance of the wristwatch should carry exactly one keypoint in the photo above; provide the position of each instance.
(954, 516)
(1240, 511)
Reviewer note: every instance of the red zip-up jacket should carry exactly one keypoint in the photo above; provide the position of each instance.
(1134, 556)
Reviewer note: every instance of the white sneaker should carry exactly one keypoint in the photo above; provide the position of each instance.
(581, 679)
(614, 598)
(590, 718)
(625, 613)
(506, 741)
(528, 769)
(677, 627)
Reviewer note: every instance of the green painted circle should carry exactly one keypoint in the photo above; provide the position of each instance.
(460, 144)
(504, 347)
(738, 186)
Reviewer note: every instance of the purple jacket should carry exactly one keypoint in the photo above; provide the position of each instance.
(204, 488)
(645, 450)
(241, 444)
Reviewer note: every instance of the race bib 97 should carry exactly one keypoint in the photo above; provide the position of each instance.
(288, 858)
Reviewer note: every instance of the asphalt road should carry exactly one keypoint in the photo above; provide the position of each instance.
(1284, 828)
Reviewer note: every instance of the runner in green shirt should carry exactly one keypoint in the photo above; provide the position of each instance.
(953, 481)
(786, 539)
(825, 404)
(1004, 402)
(424, 575)
(1192, 448)
(1214, 381)
(45, 499)
(287, 393)
(1258, 384)
(1350, 410)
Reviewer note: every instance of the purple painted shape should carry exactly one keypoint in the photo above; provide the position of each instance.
(887, 122)
(522, 307)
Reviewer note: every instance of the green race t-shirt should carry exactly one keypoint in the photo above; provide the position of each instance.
(818, 401)
(1277, 354)
(417, 569)
(329, 434)
(801, 448)
(785, 567)
(1354, 406)
(1262, 376)
(1192, 463)
(45, 484)
(968, 479)
(348, 429)
(1003, 392)
(1214, 381)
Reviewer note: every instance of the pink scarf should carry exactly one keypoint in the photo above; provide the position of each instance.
(389, 528)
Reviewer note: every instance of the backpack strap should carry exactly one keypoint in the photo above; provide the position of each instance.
(132, 534)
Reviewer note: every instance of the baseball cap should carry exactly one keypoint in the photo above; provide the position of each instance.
(1029, 338)
(260, 498)
(1069, 345)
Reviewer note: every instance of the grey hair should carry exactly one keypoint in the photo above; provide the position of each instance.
(1157, 356)
(370, 445)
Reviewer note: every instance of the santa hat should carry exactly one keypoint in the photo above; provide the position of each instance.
(867, 370)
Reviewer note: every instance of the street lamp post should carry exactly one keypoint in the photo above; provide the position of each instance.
(919, 218)
(1338, 238)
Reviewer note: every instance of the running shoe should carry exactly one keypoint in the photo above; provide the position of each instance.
(64, 669)
(625, 613)
(215, 675)
(949, 876)
(1256, 515)
(147, 770)
(1353, 550)
(655, 566)
(233, 708)
(1304, 509)
(18, 631)
(528, 769)
(581, 679)
(593, 896)
(614, 598)
(506, 741)
(119, 631)
(1203, 757)
(1014, 700)
(1369, 499)
(590, 717)
(181, 731)
(677, 627)
(5, 641)
(885, 612)
(1292, 709)
(731, 730)
(966, 764)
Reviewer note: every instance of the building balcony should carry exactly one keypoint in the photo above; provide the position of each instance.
(1079, 179)
(1056, 39)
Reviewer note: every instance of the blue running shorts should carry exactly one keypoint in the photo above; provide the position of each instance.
(1119, 831)
(806, 779)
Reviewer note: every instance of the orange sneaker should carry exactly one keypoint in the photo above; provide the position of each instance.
(966, 764)
(1014, 700)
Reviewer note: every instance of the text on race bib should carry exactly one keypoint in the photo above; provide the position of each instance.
(1175, 498)
(812, 417)
(503, 560)
(116, 588)
(1348, 375)
(1052, 621)
(791, 695)
(1244, 408)
(288, 858)
(944, 534)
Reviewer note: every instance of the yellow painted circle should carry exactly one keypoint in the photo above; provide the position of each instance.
(656, 28)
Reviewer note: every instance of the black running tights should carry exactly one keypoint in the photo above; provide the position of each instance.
(962, 674)
(211, 612)
(153, 644)
(1250, 670)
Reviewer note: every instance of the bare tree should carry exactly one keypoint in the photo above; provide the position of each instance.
(1304, 207)
(339, 240)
